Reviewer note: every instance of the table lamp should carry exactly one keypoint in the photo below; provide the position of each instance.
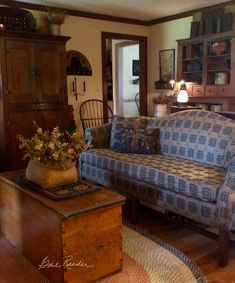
(182, 97)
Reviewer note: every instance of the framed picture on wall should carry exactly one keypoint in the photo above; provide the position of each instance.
(135, 67)
(167, 64)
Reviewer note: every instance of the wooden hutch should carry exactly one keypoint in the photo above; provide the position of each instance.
(207, 64)
(32, 88)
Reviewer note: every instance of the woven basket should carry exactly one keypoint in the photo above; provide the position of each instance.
(49, 177)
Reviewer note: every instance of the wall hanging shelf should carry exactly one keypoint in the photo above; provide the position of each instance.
(78, 64)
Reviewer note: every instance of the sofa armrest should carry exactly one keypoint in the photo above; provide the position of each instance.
(226, 199)
(98, 137)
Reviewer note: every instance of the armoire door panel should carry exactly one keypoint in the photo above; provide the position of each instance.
(33, 88)
(19, 123)
(53, 119)
(49, 79)
(20, 72)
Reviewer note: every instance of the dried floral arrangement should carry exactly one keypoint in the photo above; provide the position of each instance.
(160, 99)
(56, 15)
(53, 148)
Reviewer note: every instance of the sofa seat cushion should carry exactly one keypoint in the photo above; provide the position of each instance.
(185, 177)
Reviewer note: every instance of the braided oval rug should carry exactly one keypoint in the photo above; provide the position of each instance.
(150, 260)
(147, 259)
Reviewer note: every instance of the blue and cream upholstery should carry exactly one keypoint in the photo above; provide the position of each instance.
(192, 174)
(185, 177)
(196, 135)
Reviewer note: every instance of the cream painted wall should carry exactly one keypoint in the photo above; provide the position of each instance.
(86, 37)
(163, 36)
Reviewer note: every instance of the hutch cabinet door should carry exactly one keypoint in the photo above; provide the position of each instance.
(20, 72)
(50, 73)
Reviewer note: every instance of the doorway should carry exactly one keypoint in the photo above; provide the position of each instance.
(140, 64)
(125, 91)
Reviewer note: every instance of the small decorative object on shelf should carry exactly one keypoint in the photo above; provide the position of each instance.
(52, 157)
(221, 78)
(160, 107)
(219, 47)
(56, 18)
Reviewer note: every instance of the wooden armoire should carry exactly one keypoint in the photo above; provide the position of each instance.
(32, 88)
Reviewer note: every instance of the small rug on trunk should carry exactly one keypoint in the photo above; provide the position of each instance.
(147, 259)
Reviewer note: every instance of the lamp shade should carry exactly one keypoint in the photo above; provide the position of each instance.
(182, 96)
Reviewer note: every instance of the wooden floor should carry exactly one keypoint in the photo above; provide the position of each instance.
(202, 250)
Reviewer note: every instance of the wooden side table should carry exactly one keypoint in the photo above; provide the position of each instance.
(180, 108)
(76, 240)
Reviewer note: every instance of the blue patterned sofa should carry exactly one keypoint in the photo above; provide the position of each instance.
(192, 174)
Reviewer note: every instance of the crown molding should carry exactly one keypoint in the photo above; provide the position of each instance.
(77, 13)
(188, 13)
(72, 12)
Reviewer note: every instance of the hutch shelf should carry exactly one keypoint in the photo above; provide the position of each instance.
(207, 64)
(216, 104)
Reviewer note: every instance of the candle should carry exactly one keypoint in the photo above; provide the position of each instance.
(172, 82)
(2, 26)
(74, 85)
(84, 86)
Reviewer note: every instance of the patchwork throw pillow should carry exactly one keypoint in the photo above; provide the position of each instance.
(142, 141)
(120, 123)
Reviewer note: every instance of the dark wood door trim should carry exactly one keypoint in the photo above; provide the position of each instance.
(142, 40)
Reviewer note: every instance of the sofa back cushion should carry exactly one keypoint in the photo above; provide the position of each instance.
(143, 141)
(197, 135)
(229, 152)
(121, 123)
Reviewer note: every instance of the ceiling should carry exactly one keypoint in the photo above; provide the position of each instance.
(144, 10)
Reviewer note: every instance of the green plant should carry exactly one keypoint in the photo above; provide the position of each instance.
(160, 99)
(56, 15)
(53, 147)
